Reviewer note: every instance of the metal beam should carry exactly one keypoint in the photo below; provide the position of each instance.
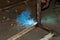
(18, 35)
(38, 12)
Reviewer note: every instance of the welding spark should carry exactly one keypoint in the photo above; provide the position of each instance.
(25, 19)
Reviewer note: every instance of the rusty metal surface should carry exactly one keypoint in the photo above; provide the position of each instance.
(53, 12)
(5, 3)
(8, 25)
(35, 34)
(8, 15)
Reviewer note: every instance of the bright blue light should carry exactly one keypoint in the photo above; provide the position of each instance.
(25, 19)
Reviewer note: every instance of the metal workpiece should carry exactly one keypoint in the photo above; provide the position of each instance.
(9, 3)
(38, 11)
(35, 34)
(8, 17)
(11, 29)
